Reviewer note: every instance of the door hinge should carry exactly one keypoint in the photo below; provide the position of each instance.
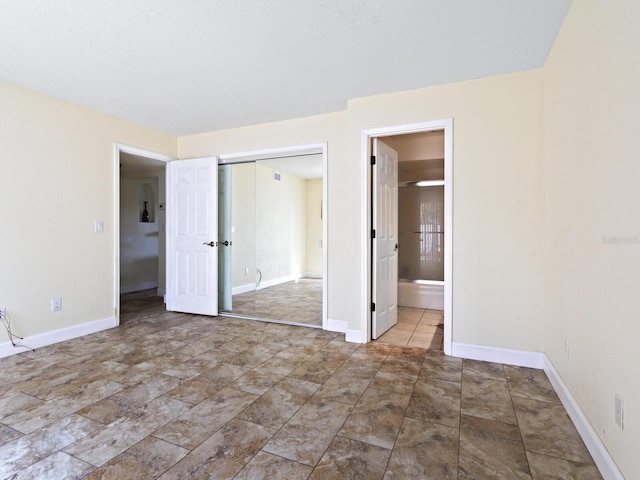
(373, 307)
(373, 159)
(373, 233)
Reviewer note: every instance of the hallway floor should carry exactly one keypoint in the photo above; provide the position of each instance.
(416, 327)
(176, 396)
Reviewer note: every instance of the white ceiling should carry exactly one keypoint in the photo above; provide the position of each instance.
(190, 66)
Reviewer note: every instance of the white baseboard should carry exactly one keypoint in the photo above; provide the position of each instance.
(270, 283)
(137, 287)
(518, 358)
(337, 325)
(249, 287)
(354, 336)
(56, 336)
(522, 358)
(607, 466)
(278, 281)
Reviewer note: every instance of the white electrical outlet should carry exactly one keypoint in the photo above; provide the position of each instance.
(246, 271)
(619, 412)
(56, 304)
(566, 347)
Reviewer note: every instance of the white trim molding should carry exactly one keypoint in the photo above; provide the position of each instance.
(334, 325)
(355, 336)
(522, 358)
(603, 460)
(137, 287)
(278, 281)
(508, 356)
(365, 219)
(119, 148)
(56, 336)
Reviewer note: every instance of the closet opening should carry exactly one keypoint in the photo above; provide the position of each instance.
(272, 235)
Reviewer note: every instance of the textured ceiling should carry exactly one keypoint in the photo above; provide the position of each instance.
(188, 66)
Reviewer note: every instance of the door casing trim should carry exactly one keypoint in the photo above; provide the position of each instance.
(365, 164)
(118, 149)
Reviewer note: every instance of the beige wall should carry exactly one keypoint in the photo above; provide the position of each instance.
(139, 241)
(497, 210)
(57, 170)
(497, 213)
(280, 224)
(545, 174)
(328, 128)
(592, 216)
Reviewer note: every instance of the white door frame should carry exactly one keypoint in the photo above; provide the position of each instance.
(239, 156)
(366, 188)
(120, 148)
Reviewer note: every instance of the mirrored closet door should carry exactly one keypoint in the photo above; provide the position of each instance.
(271, 232)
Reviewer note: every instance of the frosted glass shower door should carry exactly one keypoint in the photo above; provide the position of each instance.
(421, 227)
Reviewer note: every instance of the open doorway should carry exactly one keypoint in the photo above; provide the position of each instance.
(419, 247)
(140, 228)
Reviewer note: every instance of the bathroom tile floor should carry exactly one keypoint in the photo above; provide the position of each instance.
(416, 327)
(175, 396)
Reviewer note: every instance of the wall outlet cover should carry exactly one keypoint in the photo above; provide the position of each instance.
(619, 415)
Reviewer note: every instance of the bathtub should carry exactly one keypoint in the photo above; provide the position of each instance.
(421, 294)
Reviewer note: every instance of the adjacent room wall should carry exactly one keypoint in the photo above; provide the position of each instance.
(592, 217)
(57, 171)
(139, 241)
(280, 225)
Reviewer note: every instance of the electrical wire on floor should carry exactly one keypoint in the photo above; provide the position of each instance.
(6, 321)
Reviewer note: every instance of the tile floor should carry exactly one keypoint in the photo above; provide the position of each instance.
(176, 396)
(298, 301)
(416, 327)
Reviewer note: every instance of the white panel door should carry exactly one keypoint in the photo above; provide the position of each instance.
(385, 243)
(192, 214)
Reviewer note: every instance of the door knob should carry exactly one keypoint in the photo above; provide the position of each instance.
(226, 243)
(211, 244)
(395, 249)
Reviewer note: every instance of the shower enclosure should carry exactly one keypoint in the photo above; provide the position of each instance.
(421, 252)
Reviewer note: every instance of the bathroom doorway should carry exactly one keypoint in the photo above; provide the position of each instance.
(424, 237)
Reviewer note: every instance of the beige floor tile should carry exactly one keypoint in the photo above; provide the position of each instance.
(547, 429)
(147, 459)
(349, 459)
(549, 468)
(223, 454)
(306, 436)
(376, 418)
(266, 466)
(198, 423)
(191, 396)
(491, 450)
(487, 398)
(424, 450)
(436, 401)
